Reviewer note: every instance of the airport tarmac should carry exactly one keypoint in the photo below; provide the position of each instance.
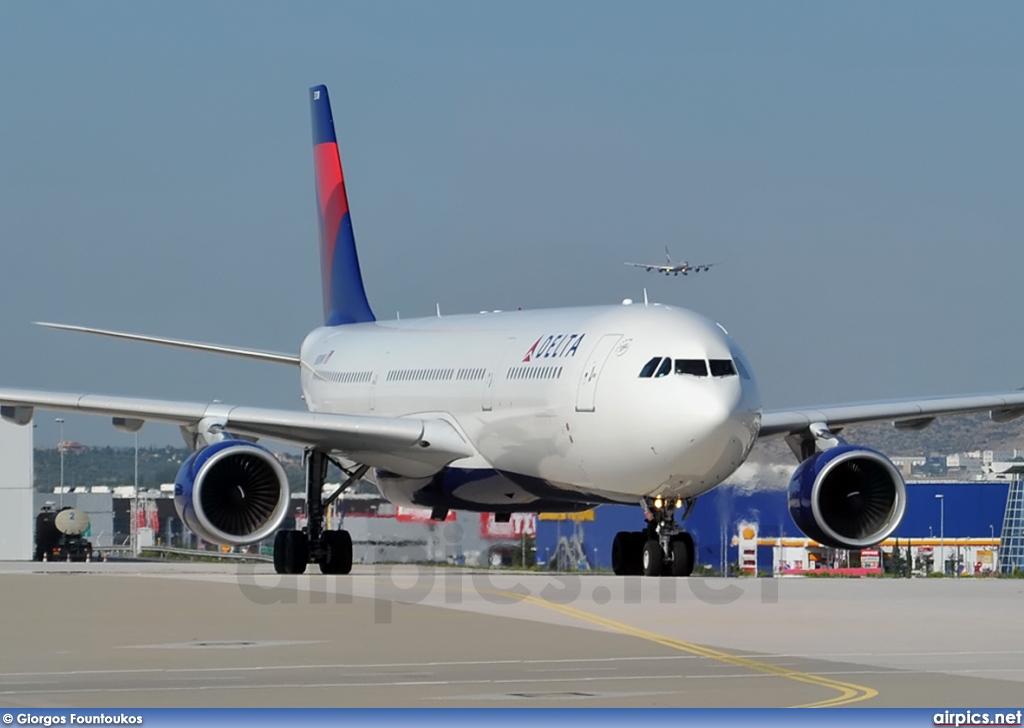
(174, 634)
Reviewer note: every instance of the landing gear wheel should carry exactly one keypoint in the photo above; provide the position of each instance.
(620, 553)
(652, 558)
(337, 552)
(683, 553)
(628, 553)
(291, 552)
(638, 539)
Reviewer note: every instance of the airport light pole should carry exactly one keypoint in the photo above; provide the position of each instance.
(134, 530)
(942, 530)
(60, 448)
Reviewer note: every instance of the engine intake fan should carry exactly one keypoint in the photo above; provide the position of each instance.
(232, 493)
(847, 497)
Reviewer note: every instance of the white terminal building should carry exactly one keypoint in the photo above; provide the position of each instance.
(17, 513)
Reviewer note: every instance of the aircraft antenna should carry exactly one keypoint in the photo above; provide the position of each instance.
(645, 296)
(438, 305)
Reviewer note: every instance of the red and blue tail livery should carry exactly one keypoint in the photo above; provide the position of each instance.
(344, 296)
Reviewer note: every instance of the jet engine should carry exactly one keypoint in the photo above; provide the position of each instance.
(232, 493)
(847, 497)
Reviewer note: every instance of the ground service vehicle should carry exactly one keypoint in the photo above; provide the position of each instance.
(59, 535)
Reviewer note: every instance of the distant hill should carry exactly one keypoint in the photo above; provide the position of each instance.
(962, 433)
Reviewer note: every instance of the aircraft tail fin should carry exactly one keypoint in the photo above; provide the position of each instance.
(344, 296)
(668, 258)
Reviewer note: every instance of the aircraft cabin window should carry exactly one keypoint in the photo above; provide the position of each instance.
(648, 371)
(722, 368)
(693, 367)
(665, 369)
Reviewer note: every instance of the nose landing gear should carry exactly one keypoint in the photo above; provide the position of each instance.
(662, 548)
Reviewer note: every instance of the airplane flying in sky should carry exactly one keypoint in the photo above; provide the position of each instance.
(674, 269)
(522, 411)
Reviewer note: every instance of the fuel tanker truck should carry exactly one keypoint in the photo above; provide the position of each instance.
(59, 535)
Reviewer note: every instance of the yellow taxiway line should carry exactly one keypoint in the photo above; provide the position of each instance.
(848, 692)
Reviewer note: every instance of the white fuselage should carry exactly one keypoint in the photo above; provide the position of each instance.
(555, 397)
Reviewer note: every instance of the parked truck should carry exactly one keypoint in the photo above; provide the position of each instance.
(59, 535)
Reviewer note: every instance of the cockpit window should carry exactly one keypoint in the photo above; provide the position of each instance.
(744, 374)
(662, 367)
(648, 371)
(722, 368)
(693, 367)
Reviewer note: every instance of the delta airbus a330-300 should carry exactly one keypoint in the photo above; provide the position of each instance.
(524, 411)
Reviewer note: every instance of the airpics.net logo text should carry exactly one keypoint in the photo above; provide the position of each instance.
(959, 718)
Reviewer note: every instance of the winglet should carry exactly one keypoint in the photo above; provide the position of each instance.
(344, 296)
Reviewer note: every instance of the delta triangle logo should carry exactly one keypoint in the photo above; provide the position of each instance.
(532, 350)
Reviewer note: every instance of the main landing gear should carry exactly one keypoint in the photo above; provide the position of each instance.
(332, 550)
(662, 548)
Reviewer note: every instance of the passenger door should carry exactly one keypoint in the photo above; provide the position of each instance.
(585, 394)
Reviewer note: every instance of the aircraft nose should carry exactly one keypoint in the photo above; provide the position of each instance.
(726, 412)
(716, 405)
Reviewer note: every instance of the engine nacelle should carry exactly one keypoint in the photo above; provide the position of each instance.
(232, 493)
(847, 497)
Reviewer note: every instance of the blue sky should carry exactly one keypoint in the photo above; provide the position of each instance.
(854, 168)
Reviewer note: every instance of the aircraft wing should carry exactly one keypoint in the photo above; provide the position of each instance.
(412, 446)
(903, 413)
(648, 266)
(259, 355)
